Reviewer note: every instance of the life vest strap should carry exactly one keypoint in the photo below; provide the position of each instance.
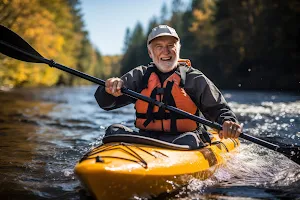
(160, 90)
(146, 77)
(150, 109)
(169, 100)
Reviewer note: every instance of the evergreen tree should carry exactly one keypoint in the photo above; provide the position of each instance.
(163, 14)
(137, 52)
(176, 20)
(256, 43)
(127, 39)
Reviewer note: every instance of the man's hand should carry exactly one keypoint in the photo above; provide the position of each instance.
(113, 86)
(230, 130)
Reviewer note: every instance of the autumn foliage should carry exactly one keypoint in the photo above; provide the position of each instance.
(239, 44)
(56, 30)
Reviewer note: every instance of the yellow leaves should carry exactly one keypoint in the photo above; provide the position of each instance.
(22, 75)
(200, 15)
(111, 65)
(201, 25)
(54, 29)
(50, 77)
(203, 16)
(34, 20)
(58, 43)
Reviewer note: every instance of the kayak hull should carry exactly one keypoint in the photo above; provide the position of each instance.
(118, 170)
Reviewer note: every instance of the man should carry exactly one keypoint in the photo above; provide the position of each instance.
(174, 82)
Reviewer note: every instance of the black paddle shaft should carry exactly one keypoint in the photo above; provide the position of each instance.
(14, 46)
(136, 95)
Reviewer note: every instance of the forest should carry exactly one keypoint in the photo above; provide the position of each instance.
(238, 44)
(56, 29)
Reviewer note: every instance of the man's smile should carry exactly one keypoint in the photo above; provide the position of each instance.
(166, 58)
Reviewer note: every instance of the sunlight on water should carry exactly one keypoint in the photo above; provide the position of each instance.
(256, 167)
(44, 132)
(269, 119)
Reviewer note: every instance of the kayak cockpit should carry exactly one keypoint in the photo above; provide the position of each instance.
(137, 139)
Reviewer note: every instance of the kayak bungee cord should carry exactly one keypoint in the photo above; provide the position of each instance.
(126, 149)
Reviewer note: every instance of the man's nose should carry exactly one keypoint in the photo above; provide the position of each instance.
(166, 49)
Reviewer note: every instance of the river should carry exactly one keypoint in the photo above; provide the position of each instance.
(45, 131)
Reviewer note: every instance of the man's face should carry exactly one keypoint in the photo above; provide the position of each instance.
(164, 52)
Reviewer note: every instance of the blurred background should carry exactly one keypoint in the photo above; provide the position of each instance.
(238, 44)
(49, 119)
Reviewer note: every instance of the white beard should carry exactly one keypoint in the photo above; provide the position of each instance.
(166, 66)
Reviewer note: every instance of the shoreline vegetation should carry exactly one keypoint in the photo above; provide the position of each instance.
(241, 45)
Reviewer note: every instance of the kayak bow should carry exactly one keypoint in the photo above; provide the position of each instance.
(126, 166)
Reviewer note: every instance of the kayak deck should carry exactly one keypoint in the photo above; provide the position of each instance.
(121, 170)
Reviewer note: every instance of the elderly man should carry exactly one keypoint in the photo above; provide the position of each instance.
(174, 82)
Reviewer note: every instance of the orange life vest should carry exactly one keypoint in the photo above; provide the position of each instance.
(153, 118)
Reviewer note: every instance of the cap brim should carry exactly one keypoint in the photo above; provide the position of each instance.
(163, 34)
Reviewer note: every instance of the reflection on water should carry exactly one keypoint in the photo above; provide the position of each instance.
(44, 132)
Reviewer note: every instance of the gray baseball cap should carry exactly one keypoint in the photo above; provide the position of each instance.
(162, 30)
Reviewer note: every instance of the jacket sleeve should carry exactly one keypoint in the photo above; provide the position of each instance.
(131, 80)
(208, 98)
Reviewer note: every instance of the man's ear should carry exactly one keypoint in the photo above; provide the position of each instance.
(149, 52)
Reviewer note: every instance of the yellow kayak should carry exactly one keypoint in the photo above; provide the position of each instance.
(125, 166)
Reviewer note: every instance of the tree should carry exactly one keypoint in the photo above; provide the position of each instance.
(127, 39)
(56, 30)
(176, 20)
(163, 14)
(137, 53)
(256, 42)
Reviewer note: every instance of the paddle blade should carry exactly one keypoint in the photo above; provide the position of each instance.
(14, 46)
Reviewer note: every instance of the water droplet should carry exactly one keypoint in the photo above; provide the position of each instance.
(102, 127)
(293, 137)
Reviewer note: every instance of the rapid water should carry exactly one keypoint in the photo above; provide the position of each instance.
(44, 132)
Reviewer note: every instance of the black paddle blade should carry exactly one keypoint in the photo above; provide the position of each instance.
(292, 153)
(14, 46)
